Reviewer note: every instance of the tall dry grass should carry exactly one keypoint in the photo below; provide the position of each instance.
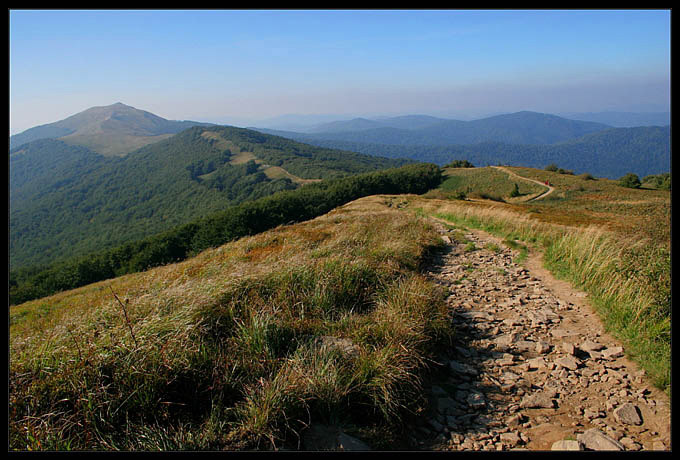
(241, 347)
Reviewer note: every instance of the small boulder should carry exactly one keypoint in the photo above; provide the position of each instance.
(567, 444)
(628, 414)
(568, 362)
(594, 439)
(612, 353)
(537, 400)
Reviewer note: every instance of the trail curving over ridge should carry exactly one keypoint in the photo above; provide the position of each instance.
(538, 197)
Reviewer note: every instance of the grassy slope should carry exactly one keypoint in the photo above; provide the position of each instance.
(482, 183)
(612, 242)
(224, 350)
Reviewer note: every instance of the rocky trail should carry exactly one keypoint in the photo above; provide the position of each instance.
(531, 367)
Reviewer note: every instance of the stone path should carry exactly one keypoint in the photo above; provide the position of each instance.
(531, 367)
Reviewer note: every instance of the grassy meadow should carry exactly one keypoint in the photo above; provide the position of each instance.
(240, 347)
(482, 183)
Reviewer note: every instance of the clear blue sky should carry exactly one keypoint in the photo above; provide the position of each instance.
(229, 64)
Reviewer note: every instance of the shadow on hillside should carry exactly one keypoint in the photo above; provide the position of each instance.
(462, 400)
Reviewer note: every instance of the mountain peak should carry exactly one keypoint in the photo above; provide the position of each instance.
(110, 130)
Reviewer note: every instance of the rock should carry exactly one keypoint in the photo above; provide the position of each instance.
(612, 353)
(513, 420)
(506, 340)
(658, 445)
(568, 362)
(510, 438)
(476, 315)
(324, 437)
(461, 368)
(628, 414)
(594, 439)
(536, 363)
(537, 400)
(511, 322)
(542, 347)
(524, 345)
(509, 377)
(446, 406)
(559, 333)
(569, 348)
(630, 443)
(566, 444)
(476, 400)
(436, 426)
(590, 345)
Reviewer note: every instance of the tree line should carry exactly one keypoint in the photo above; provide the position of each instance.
(216, 229)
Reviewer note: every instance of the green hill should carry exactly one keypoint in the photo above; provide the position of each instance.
(66, 200)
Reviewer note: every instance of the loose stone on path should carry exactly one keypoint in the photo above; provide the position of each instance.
(528, 370)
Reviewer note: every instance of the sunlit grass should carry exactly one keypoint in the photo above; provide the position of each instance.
(236, 347)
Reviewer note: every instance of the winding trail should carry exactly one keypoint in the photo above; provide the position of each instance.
(532, 367)
(537, 197)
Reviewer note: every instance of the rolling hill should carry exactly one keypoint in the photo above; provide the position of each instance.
(623, 119)
(114, 129)
(609, 153)
(516, 128)
(67, 200)
(359, 124)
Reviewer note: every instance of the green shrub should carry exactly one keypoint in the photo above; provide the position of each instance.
(460, 164)
(630, 180)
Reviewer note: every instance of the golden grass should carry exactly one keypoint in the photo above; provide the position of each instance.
(217, 351)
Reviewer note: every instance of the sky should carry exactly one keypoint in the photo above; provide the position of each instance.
(241, 66)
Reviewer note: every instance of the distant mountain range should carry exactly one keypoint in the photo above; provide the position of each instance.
(109, 130)
(521, 139)
(623, 119)
(515, 128)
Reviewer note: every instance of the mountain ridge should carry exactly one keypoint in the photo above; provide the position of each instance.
(114, 129)
(523, 127)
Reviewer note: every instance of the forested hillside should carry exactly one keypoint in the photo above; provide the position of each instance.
(610, 153)
(66, 200)
(214, 229)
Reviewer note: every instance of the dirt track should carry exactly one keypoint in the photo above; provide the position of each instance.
(537, 197)
(532, 367)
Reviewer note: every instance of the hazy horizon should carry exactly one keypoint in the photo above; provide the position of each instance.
(237, 65)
